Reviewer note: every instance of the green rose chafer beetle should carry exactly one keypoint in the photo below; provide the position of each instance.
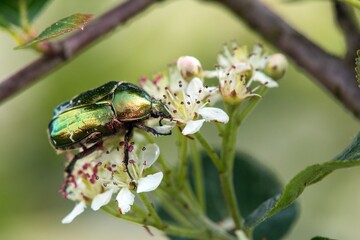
(115, 108)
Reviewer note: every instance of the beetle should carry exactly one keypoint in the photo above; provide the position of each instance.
(115, 108)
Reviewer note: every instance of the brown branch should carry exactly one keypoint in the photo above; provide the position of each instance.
(67, 49)
(346, 19)
(330, 71)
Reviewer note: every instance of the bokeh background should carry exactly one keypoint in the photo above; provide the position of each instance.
(294, 126)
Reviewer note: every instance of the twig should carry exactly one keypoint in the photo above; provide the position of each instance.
(330, 71)
(345, 17)
(67, 49)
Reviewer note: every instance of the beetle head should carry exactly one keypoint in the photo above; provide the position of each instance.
(159, 110)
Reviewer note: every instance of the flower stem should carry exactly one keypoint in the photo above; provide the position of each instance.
(189, 210)
(230, 198)
(166, 228)
(172, 210)
(252, 103)
(111, 209)
(183, 160)
(213, 230)
(186, 232)
(150, 208)
(210, 151)
(229, 138)
(24, 18)
(198, 176)
(226, 178)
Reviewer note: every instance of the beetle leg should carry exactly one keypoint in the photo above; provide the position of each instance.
(126, 153)
(149, 129)
(70, 167)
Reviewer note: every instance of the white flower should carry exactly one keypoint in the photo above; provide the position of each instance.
(148, 156)
(125, 199)
(187, 99)
(82, 187)
(97, 177)
(101, 199)
(241, 73)
(189, 105)
(150, 182)
(78, 209)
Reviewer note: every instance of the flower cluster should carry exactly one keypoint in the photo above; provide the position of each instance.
(240, 75)
(97, 177)
(241, 72)
(184, 93)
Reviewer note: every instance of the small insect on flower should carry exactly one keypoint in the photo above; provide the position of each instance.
(113, 109)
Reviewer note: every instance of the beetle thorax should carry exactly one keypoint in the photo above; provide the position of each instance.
(130, 105)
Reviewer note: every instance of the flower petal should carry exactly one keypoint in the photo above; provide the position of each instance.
(214, 114)
(242, 67)
(125, 199)
(194, 88)
(264, 79)
(150, 154)
(114, 157)
(150, 182)
(164, 129)
(192, 126)
(101, 199)
(78, 209)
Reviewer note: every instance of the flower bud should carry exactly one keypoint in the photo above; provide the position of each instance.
(189, 67)
(276, 66)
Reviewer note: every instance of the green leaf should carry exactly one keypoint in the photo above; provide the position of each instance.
(10, 12)
(350, 157)
(357, 67)
(68, 24)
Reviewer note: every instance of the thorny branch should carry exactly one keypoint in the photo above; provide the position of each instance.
(333, 73)
(67, 49)
(330, 71)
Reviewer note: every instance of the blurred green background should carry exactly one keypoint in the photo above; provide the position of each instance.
(294, 126)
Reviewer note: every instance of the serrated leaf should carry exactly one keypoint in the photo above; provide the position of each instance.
(350, 157)
(10, 10)
(65, 25)
(357, 67)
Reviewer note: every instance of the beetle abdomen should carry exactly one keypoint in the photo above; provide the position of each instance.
(81, 125)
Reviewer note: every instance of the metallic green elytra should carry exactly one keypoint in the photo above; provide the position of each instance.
(110, 109)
